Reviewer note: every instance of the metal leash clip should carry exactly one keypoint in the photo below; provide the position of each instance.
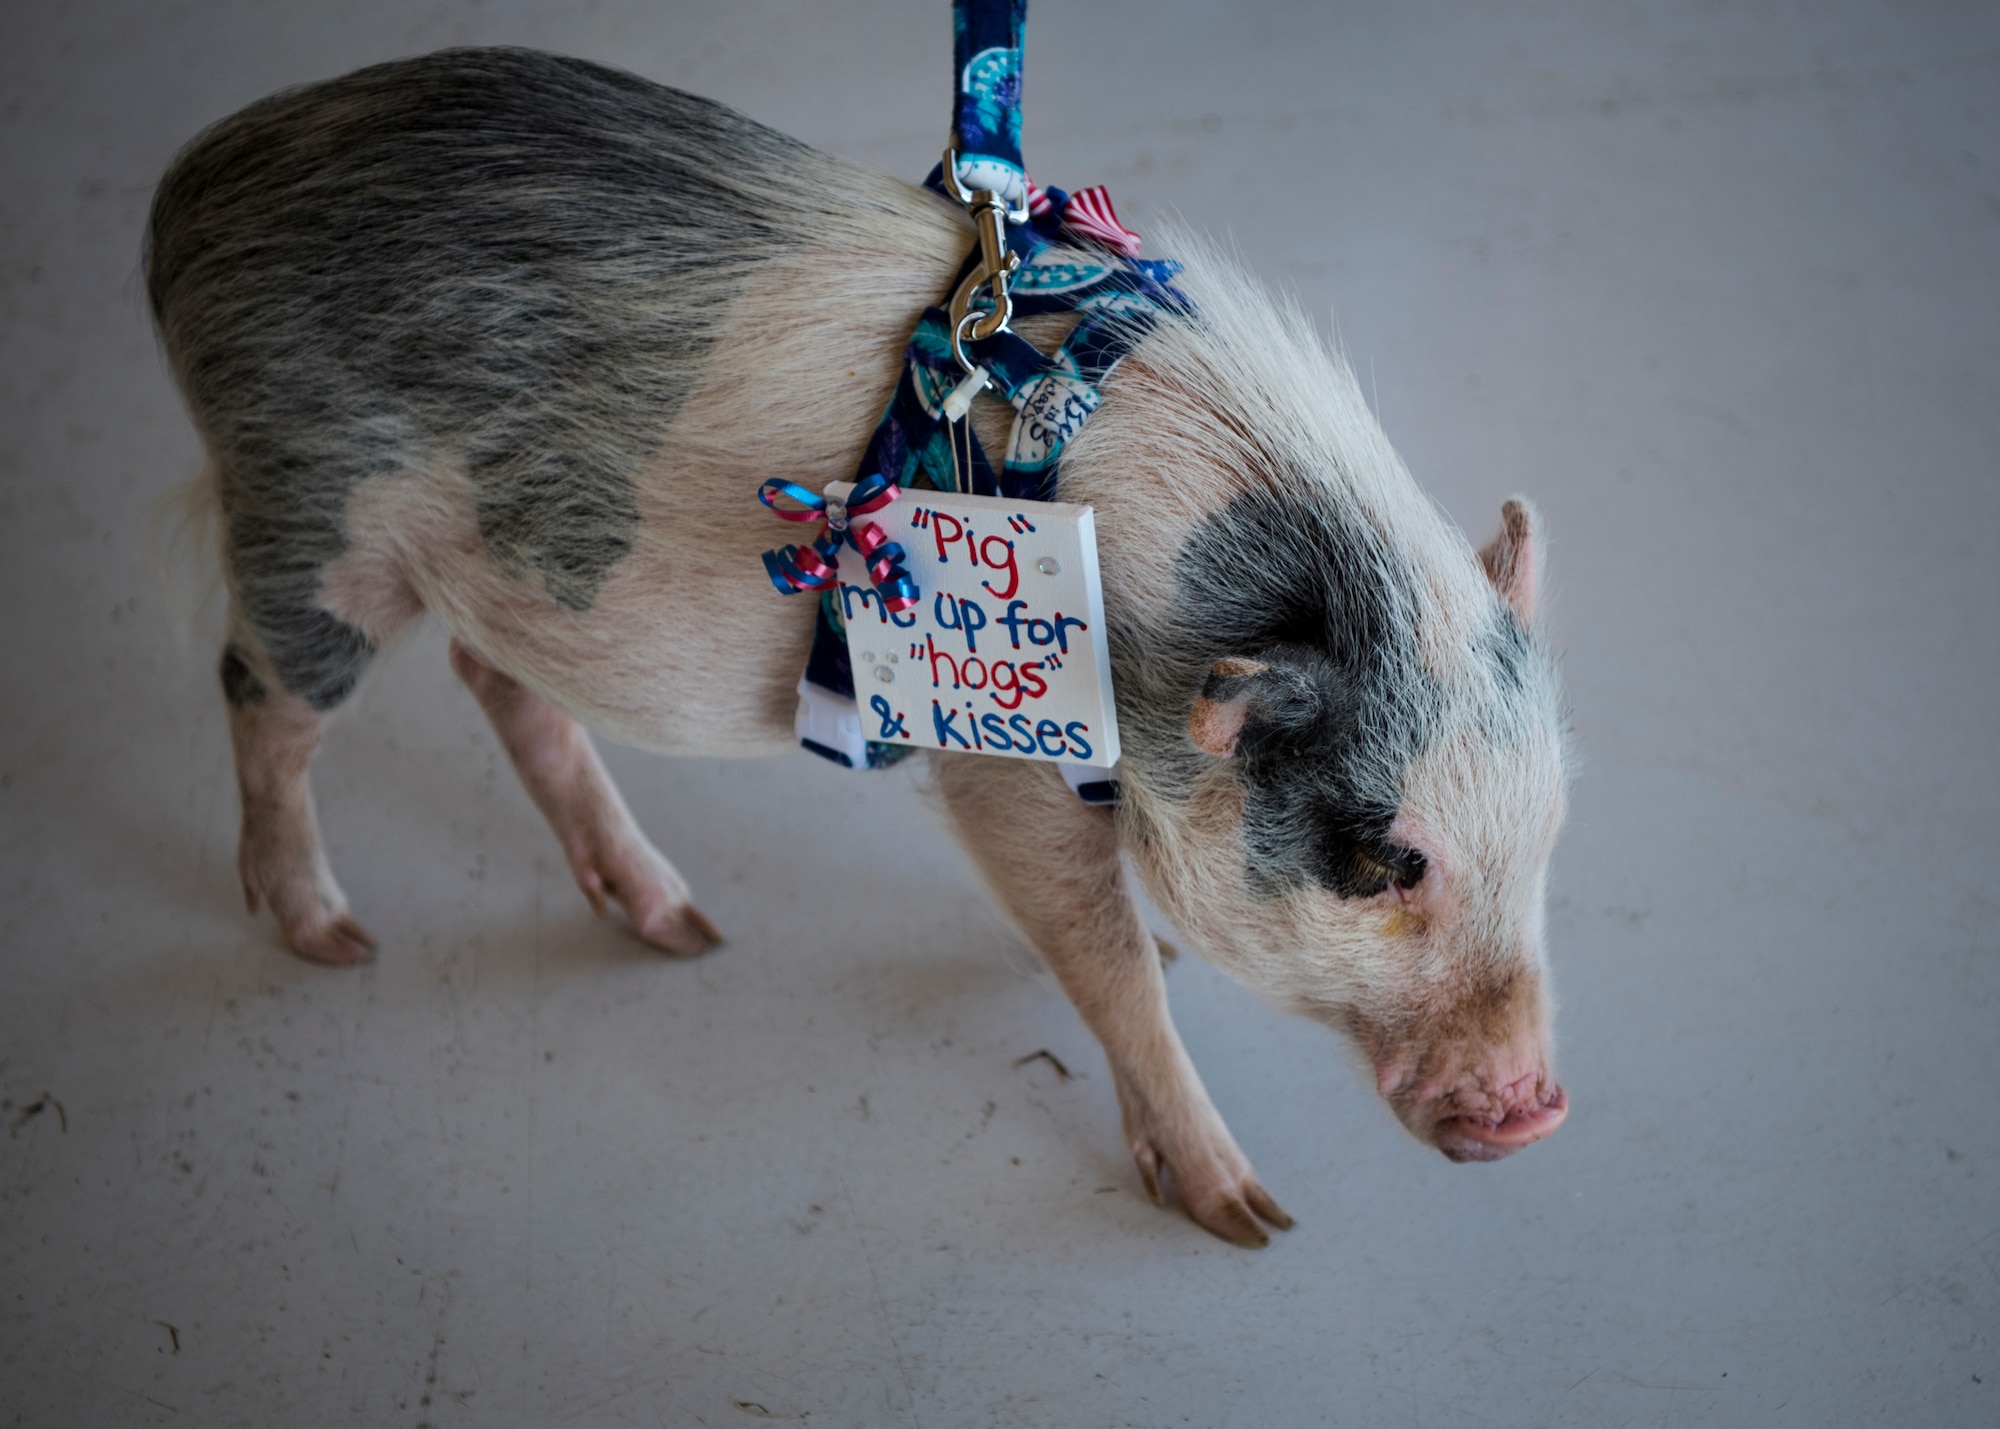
(997, 263)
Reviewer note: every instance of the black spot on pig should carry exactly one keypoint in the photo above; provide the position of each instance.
(324, 658)
(495, 261)
(239, 685)
(277, 553)
(1314, 756)
(1313, 593)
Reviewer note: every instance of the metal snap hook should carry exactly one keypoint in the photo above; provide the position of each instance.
(997, 262)
(967, 197)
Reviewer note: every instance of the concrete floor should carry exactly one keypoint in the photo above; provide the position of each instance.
(1718, 285)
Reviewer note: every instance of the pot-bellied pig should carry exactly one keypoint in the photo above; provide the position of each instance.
(512, 339)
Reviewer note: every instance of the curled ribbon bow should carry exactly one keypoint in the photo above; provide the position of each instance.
(816, 566)
(1087, 213)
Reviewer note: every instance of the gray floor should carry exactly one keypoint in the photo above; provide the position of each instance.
(1718, 285)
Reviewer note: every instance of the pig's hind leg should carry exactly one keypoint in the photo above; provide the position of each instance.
(608, 855)
(274, 734)
(1053, 863)
(313, 596)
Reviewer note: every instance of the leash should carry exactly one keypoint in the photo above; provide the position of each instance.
(967, 348)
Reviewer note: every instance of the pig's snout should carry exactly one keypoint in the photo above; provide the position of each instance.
(1474, 1080)
(1471, 1116)
(1520, 1120)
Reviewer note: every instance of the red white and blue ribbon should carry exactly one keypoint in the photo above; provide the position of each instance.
(1087, 213)
(816, 566)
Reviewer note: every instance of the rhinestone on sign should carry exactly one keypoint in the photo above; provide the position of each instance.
(884, 674)
(892, 657)
(1048, 565)
(869, 656)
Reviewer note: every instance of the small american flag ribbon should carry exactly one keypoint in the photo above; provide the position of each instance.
(1087, 213)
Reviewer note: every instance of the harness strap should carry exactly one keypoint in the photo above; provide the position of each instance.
(986, 111)
(1117, 296)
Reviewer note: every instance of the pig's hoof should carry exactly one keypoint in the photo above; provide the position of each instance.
(653, 897)
(685, 932)
(312, 915)
(339, 943)
(1224, 1201)
(321, 932)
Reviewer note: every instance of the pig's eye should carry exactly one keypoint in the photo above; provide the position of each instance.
(1402, 868)
(1366, 872)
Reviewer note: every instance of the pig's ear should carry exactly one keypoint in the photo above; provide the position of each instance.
(1513, 559)
(1217, 721)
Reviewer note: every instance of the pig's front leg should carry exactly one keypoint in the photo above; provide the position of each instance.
(1052, 861)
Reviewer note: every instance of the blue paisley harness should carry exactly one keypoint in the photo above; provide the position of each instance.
(921, 441)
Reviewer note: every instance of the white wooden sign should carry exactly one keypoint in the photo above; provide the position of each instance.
(1004, 652)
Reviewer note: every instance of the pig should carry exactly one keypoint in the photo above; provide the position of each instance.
(511, 339)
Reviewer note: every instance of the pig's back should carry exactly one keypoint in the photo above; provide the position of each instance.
(479, 254)
(474, 319)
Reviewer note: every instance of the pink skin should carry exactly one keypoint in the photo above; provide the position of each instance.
(279, 857)
(1464, 1139)
(1471, 1079)
(1515, 1115)
(607, 854)
(282, 863)
(1478, 1112)
(1477, 1115)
